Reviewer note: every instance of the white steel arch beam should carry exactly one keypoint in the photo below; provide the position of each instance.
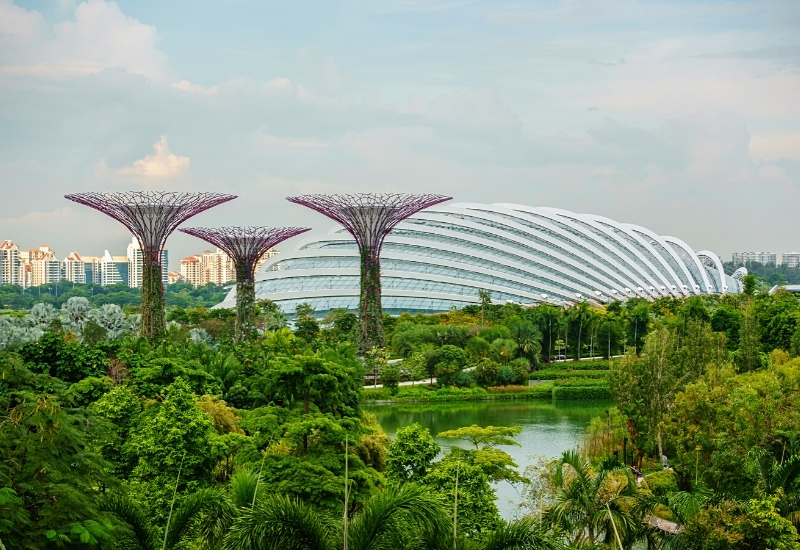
(723, 286)
(618, 272)
(704, 283)
(566, 240)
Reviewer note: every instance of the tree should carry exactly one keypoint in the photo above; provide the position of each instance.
(495, 463)
(488, 436)
(650, 383)
(177, 437)
(390, 519)
(305, 324)
(548, 319)
(325, 379)
(594, 505)
(638, 322)
(578, 317)
(411, 454)
(527, 337)
(749, 284)
(749, 355)
(51, 473)
(609, 334)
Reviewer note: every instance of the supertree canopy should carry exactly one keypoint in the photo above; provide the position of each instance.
(369, 217)
(151, 216)
(245, 246)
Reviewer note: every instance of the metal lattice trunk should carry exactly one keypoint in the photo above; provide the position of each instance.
(151, 216)
(245, 246)
(369, 217)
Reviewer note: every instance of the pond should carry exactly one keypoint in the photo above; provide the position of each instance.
(547, 429)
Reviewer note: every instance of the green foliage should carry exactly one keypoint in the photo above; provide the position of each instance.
(733, 430)
(175, 435)
(754, 525)
(411, 454)
(49, 464)
(556, 374)
(486, 372)
(477, 511)
(486, 437)
(305, 324)
(577, 393)
(594, 505)
(70, 361)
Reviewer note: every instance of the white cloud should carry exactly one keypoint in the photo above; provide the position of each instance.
(36, 218)
(99, 37)
(274, 142)
(161, 164)
(775, 145)
(192, 88)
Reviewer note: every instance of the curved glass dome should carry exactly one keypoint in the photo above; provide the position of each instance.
(441, 257)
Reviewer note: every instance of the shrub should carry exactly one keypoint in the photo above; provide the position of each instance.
(570, 393)
(549, 374)
(486, 373)
(446, 373)
(662, 483)
(463, 379)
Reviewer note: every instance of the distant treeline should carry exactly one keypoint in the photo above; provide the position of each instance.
(12, 297)
(769, 274)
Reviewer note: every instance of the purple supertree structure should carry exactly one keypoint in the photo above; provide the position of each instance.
(151, 216)
(245, 246)
(369, 217)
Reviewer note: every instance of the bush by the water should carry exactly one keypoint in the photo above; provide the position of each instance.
(556, 374)
(573, 393)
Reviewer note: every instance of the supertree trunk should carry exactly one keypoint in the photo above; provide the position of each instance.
(370, 312)
(369, 217)
(151, 216)
(245, 301)
(245, 246)
(153, 303)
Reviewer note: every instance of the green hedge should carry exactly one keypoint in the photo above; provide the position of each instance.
(548, 374)
(416, 395)
(572, 393)
(580, 382)
(578, 365)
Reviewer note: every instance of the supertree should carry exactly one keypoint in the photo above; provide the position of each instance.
(151, 216)
(369, 217)
(245, 246)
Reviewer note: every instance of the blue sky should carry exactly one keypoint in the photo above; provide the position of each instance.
(680, 116)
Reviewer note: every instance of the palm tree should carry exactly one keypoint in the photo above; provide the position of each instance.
(406, 516)
(579, 314)
(182, 526)
(594, 505)
(522, 534)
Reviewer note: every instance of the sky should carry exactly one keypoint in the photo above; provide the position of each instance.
(683, 117)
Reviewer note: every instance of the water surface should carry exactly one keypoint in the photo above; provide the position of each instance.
(547, 429)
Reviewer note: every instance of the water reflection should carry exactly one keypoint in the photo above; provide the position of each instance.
(547, 429)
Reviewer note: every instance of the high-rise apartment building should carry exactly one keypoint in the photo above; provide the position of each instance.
(214, 267)
(113, 269)
(9, 263)
(790, 259)
(741, 258)
(45, 267)
(74, 268)
(217, 268)
(135, 269)
(191, 270)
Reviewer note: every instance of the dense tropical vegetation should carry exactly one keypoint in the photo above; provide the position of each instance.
(15, 298)
(108, 440)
